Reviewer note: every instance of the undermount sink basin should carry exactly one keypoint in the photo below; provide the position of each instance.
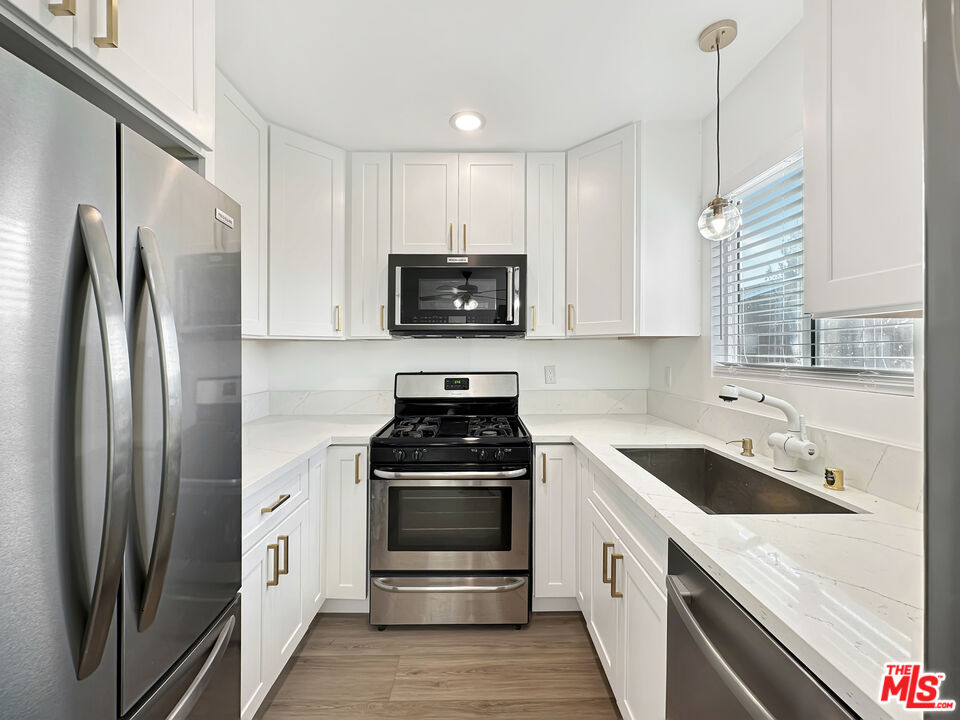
(721, 486)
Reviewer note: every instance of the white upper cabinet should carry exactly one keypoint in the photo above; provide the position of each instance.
(863, 157)
(369, 244)
(448, 203)
(425, 214)
(633, 254)
(241, 161)
(307, 241)
(546, 238)
(491, 203)
(162, 51)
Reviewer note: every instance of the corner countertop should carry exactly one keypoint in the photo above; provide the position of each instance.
(844, 593)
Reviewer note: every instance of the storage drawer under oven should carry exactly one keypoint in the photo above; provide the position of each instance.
(454, 521)
(449, 600)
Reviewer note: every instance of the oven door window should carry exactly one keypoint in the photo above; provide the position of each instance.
(460, 519)
(455, 296)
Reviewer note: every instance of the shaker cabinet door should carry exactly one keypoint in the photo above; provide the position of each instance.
(425, 218)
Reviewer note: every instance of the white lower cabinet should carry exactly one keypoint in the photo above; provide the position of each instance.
(624, 608)
(554, 522)
(313, 583)
(345, 535)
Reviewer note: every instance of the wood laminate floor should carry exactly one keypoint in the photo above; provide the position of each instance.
(346, 669)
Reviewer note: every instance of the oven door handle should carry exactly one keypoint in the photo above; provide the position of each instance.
(452, 475)
(514, 583)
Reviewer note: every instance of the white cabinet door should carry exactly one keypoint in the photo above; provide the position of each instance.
(313, 575)
(254, 677)
(863, 157)
(602, 235)
(283, 610)
(555, 521)
(584, 534)
(164, 53)
(604, 624)
(643, 660)
(491, 205)
(54, 18)
(241, 160)
(369, 244)
(546, 244)
(307, 242)
(345, 484)
(425, 203)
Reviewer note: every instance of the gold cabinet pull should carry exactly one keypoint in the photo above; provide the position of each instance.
(270, 508)
(67, 7)
(464, 237)
(606, 576)
(543, 473)
(112, 38)
(570, 316)
(285, 539)
(382, 326)
(614, 593)
(451, 237)
(534, 309)
(337, 308)
(275, 549)
(356, 469)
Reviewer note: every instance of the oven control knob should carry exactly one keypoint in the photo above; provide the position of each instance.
(418, 454)
(498, 455)
(400, 455)
(484, 454)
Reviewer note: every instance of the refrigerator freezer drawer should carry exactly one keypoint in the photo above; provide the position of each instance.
(449, 600)
(205, 685)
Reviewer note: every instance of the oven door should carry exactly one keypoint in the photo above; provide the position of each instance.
(449, 521)
(478, 295)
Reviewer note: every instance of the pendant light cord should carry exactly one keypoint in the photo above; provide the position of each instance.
(718, 114)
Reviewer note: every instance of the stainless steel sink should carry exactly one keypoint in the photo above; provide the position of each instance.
(721, 486)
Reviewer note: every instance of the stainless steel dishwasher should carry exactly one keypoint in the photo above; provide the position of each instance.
(723, 665)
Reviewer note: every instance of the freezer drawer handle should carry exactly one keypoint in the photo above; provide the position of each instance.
(169, 350)
(116, 508)
(750, 702)
(183, 708)
(453, 475)
(507, 587)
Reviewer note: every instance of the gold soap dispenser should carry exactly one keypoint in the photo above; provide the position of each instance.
(833, 478)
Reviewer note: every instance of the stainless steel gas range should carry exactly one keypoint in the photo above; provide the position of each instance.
(451, 503)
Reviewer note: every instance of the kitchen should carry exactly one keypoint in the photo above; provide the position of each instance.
(415, 389)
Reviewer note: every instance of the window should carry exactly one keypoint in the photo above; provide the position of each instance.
(758, 323)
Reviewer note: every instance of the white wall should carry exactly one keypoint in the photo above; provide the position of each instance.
(761, 125)
(370, 364)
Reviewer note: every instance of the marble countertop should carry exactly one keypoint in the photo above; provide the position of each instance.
(844, 593)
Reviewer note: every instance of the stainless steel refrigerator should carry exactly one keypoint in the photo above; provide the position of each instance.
(942, 344)
(119, 420)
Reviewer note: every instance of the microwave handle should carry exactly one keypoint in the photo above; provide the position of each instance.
(513, 293)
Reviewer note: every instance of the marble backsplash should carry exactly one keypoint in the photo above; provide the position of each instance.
(893, 472)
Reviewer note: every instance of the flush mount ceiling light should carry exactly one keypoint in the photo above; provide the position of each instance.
(467, 121)
(721, 218)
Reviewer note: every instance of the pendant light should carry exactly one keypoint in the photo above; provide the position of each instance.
(721, 218)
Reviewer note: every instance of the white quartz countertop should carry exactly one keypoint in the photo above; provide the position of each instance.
(844, 593)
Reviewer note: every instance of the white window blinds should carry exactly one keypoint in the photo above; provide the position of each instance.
(758, 321)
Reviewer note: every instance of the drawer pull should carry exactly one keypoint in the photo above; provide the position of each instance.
(356, 469)
(606, 576)
(112, 38)
(285, 539)
(614, 593)
(67, 7)
(275, 549)
(280, 501)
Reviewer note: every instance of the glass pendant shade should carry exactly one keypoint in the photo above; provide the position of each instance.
(719, 220)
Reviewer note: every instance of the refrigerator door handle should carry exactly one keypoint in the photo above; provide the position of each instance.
(170, 383)
(183, 708)
(113, 336)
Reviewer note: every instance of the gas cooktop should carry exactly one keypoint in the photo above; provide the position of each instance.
(453, 427)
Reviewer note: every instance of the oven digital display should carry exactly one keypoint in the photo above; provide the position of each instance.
(456, 383)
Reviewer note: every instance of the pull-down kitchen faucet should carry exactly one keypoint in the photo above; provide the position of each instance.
(787, 447)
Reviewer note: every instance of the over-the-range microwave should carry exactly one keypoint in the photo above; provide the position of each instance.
(457, 295)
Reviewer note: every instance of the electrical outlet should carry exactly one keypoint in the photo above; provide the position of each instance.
(668, 377)
(550, 374)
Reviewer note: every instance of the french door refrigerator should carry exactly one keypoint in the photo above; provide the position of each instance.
(119, 420)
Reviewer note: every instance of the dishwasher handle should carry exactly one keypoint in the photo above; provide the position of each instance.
(750, 702)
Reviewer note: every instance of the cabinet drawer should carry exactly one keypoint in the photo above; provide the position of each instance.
(263, 511)
(645, 539)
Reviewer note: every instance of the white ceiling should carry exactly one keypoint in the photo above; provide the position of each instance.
(547, 74)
